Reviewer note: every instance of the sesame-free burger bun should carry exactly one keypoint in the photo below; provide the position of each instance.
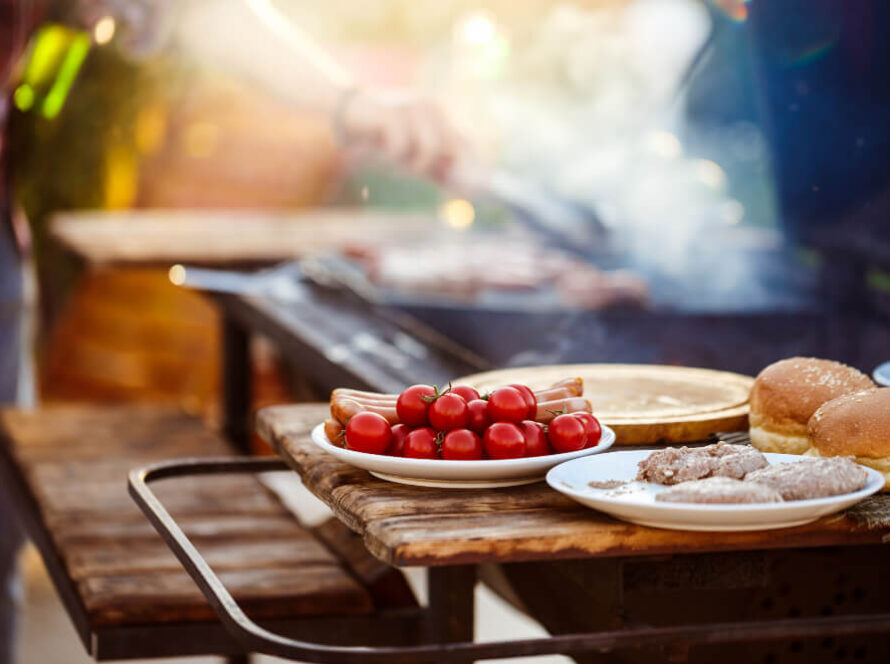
(787, 393)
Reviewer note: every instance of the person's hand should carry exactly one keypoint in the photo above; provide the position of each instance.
(405, 128)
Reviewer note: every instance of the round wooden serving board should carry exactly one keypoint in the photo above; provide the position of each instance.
(643, 403)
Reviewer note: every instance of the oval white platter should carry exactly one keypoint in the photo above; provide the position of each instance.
(482, 474)
(635, 501)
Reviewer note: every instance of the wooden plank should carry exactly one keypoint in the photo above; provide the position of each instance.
(86, 560)
(101, 495)
(159, 597)
(152, 432)
(511, 535)
(77, 529)
(405, 525)
(231, 237)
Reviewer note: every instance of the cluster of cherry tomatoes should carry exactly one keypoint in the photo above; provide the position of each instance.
(459, 424)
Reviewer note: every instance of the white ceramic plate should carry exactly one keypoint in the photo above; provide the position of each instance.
(635, 501)
(481, 474)
(882, 374)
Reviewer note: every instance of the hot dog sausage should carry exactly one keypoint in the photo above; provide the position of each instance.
(334, 431)
(547, 410)
(574, 385)
(359, 394)
(343, 409)
(554, 393)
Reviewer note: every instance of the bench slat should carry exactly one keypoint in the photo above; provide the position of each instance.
(159, 597)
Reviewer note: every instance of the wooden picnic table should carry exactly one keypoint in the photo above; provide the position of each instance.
(65, 469)
(544, 551)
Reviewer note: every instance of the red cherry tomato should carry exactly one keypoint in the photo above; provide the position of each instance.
(506, 404)
(421, 444)
(535, 439)
(368, 432)
(503, 440)
(448, 412)
(465, 391)
(411, 406)
(399, 433)
(530, 401)
(592, 427)
(478, 410)
(461, 445)
(567, 433)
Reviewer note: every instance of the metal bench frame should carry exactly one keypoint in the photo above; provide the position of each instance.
(258, 639)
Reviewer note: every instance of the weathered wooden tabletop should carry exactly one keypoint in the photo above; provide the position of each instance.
(221, 237)
(406, 525)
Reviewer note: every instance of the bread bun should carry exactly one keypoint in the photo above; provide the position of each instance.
(856, 425)
(787, 393)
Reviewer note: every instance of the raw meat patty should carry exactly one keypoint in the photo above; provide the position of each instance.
(724, 490)
(812, 478)
(674, 465)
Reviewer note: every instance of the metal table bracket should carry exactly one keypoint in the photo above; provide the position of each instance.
(260, 640)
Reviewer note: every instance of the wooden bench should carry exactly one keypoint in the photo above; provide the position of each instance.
(127, 595)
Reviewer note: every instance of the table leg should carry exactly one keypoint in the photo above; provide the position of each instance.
(451, 603)
(237, 387)
(238, 659)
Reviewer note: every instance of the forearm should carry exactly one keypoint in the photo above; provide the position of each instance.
(251, 39)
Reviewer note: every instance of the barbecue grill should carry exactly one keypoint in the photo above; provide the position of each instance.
(686, 323)
(785, 309)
